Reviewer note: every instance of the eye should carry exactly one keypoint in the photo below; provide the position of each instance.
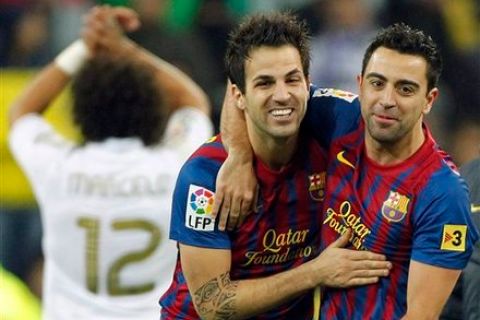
(263, 83)
(406, 90)
(376, 83)
(294, 79)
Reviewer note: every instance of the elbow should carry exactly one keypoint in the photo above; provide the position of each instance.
(13, 114)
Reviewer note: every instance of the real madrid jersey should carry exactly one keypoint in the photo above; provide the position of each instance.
(415, 210)
(106, 212)
(282, 235)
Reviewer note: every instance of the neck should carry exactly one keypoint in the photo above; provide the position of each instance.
(274, 152)
(386, 153)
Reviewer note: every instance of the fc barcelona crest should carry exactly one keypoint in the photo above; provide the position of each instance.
(317, 186)
(395, 208)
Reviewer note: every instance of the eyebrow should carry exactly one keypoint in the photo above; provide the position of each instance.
(382, 77)
(269, 77)
(293, 72)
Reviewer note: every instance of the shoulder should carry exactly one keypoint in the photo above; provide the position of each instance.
(333, 96)
(211, 151)
(194, 195)
(445, 181)
(29, 124)
(31, 137)
(205, 161)
(187, 129)
(331, 113)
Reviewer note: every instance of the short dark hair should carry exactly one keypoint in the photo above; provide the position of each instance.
(119, 98)
(405, 39)
(274, 30)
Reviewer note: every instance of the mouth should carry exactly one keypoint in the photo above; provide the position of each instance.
(281, 114)
(384, 119)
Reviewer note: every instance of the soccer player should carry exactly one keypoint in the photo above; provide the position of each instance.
(390, 183)
(267, 268)
(105, 202)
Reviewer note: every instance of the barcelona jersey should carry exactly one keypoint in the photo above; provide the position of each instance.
(282, 235)
(417, 210)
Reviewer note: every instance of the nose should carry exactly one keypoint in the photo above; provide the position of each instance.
(281, 93)
(387, 99)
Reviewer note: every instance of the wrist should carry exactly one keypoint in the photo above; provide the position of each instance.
(72, 58)
(241, 155)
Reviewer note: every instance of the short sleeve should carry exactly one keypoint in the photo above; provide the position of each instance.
(193, 198)
(36, 146)
(186, 130)
(444, 234)
(331, 113)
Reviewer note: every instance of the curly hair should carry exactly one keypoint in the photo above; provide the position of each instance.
(118, 98)
(274, 30)
(405, 39)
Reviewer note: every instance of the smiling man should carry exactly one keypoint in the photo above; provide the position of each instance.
(269, 266)
(392, 184)
(388, 181)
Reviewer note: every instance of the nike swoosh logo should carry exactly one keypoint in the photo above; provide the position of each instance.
(342, 159)
(475, 208)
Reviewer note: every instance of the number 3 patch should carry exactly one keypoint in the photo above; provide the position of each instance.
(454, 236)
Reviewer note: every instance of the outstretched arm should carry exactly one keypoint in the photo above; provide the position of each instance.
(217, 296)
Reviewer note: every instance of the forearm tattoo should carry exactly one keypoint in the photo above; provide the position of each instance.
(216, 298)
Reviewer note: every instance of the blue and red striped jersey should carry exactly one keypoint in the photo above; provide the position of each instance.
(415, 210)
(282, 235)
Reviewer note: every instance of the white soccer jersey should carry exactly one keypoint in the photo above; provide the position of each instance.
(106, 213)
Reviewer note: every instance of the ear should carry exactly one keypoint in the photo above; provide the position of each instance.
(238, 97)
(307, 80)
(359, 82)
(431, 98)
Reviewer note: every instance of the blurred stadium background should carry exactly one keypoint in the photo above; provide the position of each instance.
(192, 35)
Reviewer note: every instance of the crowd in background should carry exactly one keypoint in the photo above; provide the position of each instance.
(192, 35)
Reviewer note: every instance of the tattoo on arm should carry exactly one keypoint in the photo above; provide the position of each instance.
(216, 298)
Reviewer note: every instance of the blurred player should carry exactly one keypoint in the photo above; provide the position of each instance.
(105, 203)
(266, 269)
(390, 183)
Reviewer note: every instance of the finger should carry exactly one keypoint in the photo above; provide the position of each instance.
(368, 273)
(217, 203)
(95, 23)
(127, 18)
(371, 265)
(234, 213)
(246, 204)
(224, 212)
(245, 210)
(241, 219)
(343, 240)
(89, 40)
(361, 281)
(366, 255)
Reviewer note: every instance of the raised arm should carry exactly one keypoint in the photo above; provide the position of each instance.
(40, 93)
(236, 189)
(104, 32)
(217, 296)
(428, 290)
